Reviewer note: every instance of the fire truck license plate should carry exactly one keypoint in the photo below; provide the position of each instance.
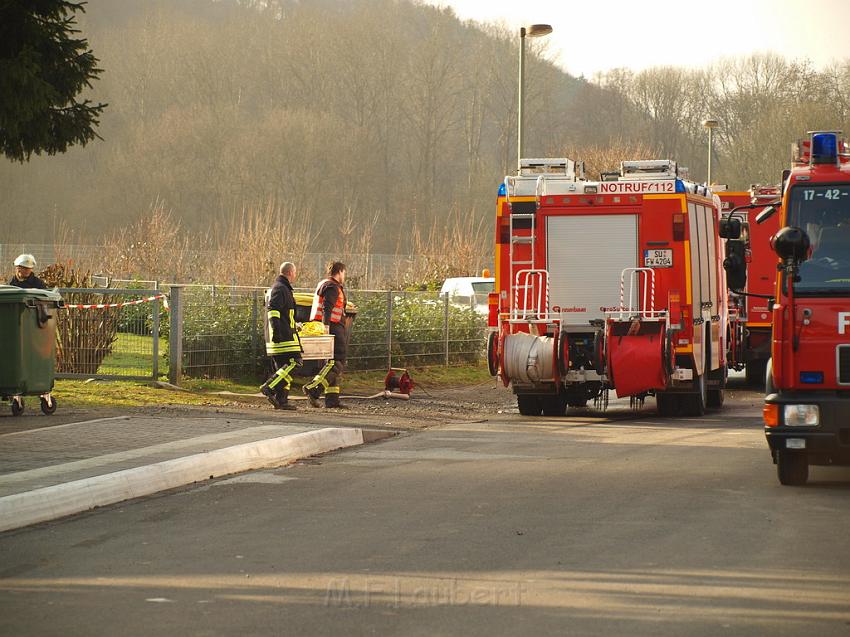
(658, 258)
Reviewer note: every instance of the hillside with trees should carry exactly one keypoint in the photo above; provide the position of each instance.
(379, 124)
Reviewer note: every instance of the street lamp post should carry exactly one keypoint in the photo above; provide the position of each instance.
(710, 124)
(534, 31)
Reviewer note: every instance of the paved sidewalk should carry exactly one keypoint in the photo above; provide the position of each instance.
(106, 460)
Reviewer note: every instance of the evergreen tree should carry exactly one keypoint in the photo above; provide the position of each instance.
(44, 65)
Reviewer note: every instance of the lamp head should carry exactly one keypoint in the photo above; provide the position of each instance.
(536, 30)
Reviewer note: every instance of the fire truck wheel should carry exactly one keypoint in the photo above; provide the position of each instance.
(563, 354)
(493, 353)
(529, 405)
(755, 373)
(792, 468)
(715, 398)
(769, 387)
(554, 405)
(694, 404)
(668, 404)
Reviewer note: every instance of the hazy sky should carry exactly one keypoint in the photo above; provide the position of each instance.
(597, 36)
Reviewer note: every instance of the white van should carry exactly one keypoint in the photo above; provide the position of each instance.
(469, 291)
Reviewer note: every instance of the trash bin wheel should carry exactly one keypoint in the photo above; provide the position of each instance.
(17, 405)
(48, 407)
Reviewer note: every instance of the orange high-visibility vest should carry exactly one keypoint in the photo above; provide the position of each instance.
(318, 311)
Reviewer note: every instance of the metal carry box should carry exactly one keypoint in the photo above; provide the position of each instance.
(317, 347)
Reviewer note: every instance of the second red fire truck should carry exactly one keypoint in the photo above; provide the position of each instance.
(751, 276)
(605, 285)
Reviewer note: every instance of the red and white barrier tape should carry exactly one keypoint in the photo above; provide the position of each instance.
(101, 306)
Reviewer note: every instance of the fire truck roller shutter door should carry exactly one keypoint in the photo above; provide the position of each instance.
(697, 265)
(585, 255)
(714, 292)
(704, 261)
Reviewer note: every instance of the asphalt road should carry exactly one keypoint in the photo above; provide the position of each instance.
(620, 525)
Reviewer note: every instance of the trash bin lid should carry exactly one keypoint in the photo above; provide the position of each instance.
(13, 294)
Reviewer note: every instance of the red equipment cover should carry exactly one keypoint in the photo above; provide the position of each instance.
(636, 358)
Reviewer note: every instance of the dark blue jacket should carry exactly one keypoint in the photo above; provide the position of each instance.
(32, 282)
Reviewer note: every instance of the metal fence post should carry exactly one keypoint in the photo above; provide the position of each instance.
(446, 325)
(175, 336)
(389, 329)
(255, 337)
(155, 333)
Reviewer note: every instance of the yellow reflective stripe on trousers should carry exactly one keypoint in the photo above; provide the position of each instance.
(332, 390)
(319, 379)
(273, 314)
(283, 374)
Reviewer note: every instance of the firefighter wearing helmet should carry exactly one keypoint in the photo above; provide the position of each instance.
(24, 275)
(329, 308)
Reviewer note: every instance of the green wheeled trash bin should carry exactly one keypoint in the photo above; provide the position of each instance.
(28, 345)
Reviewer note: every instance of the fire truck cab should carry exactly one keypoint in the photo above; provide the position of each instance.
(807, 407)
(750, 266)
(612, 284)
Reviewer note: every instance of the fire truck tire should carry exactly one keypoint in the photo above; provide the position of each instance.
(493, 353)
(715, 398)
(755, 373)
(694, 404)
(554, 405)
(769, 387)
(792, 468)
(563, 354)
(529, 405)
(668, 404)
(599, 351)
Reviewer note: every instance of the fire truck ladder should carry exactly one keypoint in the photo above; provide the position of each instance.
(644, 297)
(516, 239)
(531, 285)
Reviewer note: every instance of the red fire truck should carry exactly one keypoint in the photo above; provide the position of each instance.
(751, 276)
(612, 284)
(807, 407)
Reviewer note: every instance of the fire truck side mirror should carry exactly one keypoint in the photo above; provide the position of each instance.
(730, 228)
(791, 244)
(735, 264)
(765, 214)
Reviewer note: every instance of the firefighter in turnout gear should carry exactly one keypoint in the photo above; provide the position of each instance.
(282, 342)
(329, 308)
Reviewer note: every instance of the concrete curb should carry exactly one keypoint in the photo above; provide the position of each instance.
(49, 503)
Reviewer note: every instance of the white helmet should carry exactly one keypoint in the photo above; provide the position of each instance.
(26, 261)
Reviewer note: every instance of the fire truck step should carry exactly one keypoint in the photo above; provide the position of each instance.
(522, 239)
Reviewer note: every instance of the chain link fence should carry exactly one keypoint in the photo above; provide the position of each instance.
(216, 332)
(222, 331)
(110, 333)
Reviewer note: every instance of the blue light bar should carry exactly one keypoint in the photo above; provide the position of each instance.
(680, 186)
(811, 378)
(502, 191)
(824, 148)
